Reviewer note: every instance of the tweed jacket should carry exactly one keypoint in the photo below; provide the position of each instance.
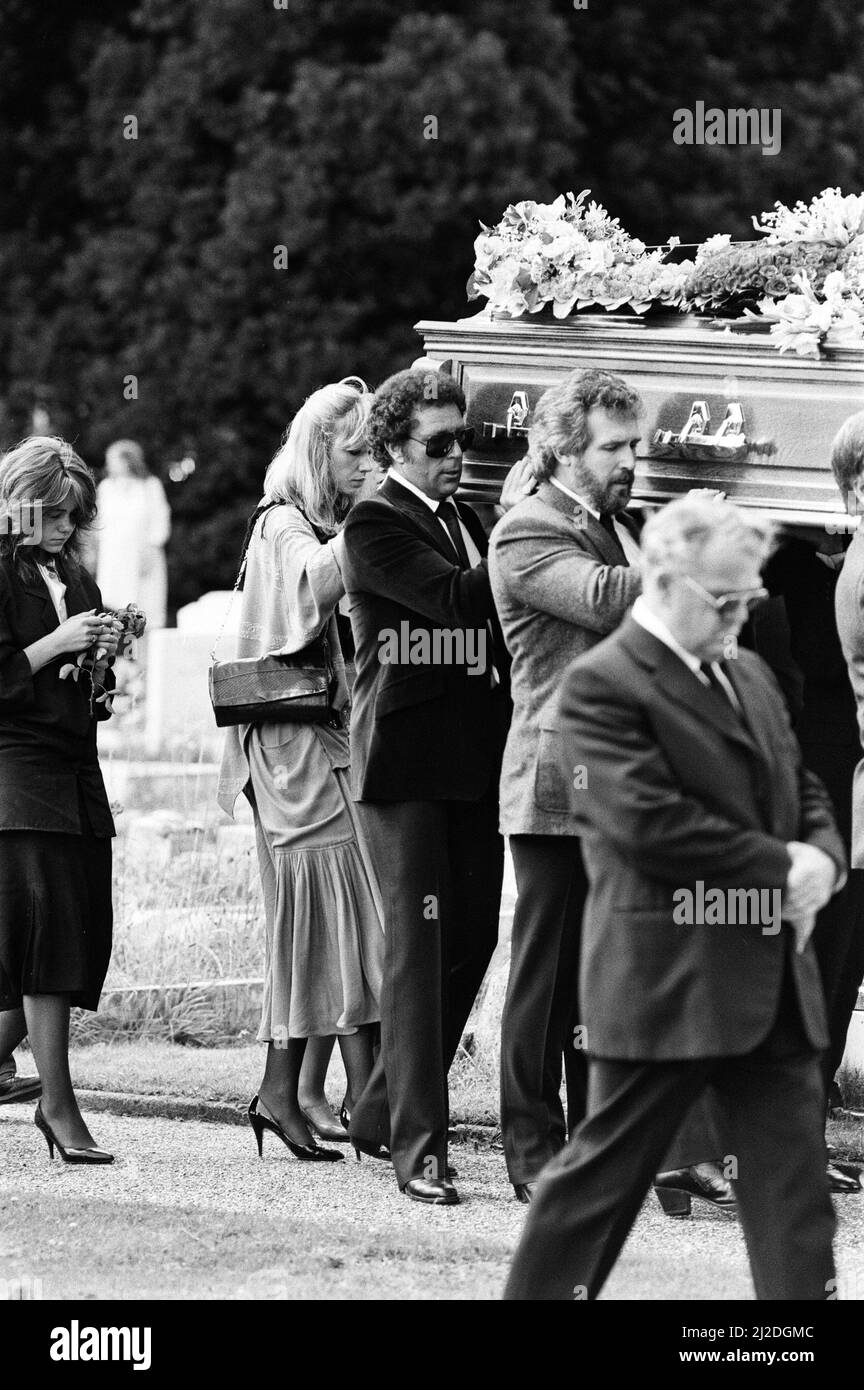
(560, 586)
(291, 590)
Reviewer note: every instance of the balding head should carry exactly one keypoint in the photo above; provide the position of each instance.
(697, 549)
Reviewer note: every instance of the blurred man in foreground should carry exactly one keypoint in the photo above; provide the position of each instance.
(697, 816)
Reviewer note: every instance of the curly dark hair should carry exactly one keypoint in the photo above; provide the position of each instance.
(561, 415)
(393, 416)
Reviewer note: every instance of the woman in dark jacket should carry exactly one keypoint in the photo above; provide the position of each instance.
(55, 823)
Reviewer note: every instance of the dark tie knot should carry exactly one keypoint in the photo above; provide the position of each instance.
(608, 524)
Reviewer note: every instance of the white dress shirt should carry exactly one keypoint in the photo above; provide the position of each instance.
(628, 543)
(432, 503)
(474, 556)
(56, 588)
(646, 618)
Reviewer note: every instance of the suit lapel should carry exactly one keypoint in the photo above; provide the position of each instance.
(405, 501)
(685, 688)
(606, 547)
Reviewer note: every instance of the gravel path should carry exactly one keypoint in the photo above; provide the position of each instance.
(189, 1211)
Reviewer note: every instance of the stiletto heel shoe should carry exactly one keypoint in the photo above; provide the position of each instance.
(68, 1155)
(333, 1133)
(308, 1153)
(361, 1146)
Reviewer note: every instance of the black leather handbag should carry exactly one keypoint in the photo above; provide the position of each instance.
(294, 689)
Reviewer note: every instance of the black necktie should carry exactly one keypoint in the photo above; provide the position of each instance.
(608, 525)
(449, 515)
(707, 669)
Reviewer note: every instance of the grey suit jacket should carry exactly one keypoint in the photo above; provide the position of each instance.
(849, 609)
(560, 586)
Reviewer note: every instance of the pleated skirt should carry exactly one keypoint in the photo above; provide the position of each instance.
(324, 938)
(56, 915)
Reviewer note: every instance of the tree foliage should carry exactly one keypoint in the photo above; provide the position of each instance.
(285, 215)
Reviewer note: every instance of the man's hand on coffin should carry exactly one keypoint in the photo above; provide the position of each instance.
(519, 483)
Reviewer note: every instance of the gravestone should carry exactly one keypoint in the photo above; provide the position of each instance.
(179, 718)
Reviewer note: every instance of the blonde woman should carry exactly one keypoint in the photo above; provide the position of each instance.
(323, 929)
(55, 823)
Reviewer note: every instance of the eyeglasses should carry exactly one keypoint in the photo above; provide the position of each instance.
(727, 605)
(439, 445)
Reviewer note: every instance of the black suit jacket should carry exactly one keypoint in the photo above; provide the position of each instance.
(420, 731)
(678, 790)
(47, 735)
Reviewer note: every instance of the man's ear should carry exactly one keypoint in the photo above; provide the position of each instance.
(858, 495)
(395, 452)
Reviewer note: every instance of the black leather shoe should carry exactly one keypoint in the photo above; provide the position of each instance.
(843, 1177)
(675, 1190)
(524, 1191)
(19, 1088)
(438, 1191)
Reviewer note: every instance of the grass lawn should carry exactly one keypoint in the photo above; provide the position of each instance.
(230, 1075)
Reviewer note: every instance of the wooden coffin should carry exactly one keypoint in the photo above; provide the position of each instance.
(723, 410)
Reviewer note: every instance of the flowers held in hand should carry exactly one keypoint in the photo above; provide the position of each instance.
(94, 661)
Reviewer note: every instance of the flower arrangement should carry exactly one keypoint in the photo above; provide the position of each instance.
(805, 280)
(133, 623)
(571, 255)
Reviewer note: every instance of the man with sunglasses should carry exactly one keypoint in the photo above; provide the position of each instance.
(427, 732)
(693, 784)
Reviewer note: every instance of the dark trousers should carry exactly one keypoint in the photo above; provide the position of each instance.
(772, 1116)
(541, 1009)
(440, 865)
(838, 940)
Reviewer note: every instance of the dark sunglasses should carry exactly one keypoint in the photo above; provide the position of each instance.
(439, 445)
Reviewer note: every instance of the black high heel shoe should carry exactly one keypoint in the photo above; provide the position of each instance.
(332, 1133)
(68, 1155)
(362, 1146)
(308, 1153)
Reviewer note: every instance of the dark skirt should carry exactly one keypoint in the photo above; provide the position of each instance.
(56, 915)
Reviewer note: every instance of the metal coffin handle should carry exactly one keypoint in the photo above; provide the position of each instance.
(516, 424)
(730, 442)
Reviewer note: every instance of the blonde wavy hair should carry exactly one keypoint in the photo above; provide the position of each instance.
(300, 472)
(43, 469)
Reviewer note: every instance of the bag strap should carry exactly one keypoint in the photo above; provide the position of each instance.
(241, 574)
(321, 536)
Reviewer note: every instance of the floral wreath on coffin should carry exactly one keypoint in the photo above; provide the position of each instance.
(805, 280)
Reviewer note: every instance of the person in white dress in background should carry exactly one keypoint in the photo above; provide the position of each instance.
(132, 530)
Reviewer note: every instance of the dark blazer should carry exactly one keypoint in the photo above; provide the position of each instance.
(47, 735)
(678, 790)
(419, 732)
